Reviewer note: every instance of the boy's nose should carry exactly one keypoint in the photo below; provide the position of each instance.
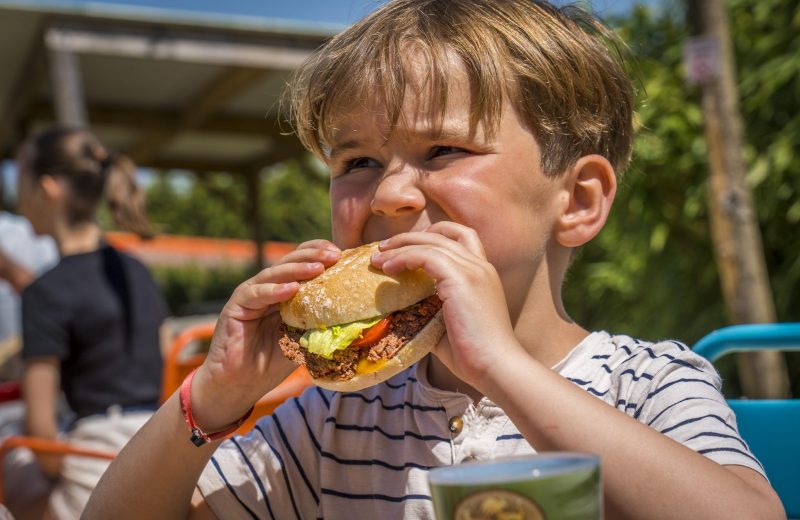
(398, 194)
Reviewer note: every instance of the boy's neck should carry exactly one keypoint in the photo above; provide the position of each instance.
(547, 341)
(439, 376)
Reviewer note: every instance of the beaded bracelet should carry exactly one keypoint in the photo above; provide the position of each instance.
(199, 437)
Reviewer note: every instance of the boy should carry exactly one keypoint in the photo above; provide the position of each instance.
(478, 139)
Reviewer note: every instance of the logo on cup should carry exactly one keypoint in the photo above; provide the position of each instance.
(497, 504)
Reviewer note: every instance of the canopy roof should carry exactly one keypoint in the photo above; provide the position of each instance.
(171, 90)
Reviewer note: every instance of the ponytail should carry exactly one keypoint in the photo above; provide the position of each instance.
(92, 173)
(125, 198)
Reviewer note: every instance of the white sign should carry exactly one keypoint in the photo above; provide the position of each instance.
(701, 57)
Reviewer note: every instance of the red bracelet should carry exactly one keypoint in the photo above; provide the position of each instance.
(199, 437)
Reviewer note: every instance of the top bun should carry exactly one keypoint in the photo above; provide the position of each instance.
(353, 290)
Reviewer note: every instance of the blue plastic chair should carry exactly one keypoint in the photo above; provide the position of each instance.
(771, 427)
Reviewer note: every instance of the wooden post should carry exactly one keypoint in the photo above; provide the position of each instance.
(735, 234)
(67, 88)
(253, 183)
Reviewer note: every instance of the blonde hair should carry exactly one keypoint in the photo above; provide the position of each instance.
(553, 64)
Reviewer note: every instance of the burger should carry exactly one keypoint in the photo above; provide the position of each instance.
(354, 326)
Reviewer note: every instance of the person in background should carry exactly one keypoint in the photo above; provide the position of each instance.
(22, 256)
(90, 325)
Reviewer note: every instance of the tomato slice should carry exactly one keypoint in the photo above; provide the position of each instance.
(373, 334)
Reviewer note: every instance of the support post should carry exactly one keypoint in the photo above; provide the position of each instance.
(734, 228)
(67, 88)
(253, 183)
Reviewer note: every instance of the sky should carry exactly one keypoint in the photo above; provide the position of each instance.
(336, 12)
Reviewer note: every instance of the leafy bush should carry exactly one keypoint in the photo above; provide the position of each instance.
(196, 289)
(651, 272)
(294, 203)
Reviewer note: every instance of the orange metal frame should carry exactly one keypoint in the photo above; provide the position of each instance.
(45, 446)
(176, 367)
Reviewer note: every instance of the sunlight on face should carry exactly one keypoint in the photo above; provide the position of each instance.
(434, 166)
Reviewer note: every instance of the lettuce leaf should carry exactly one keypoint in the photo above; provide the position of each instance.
(325, 342)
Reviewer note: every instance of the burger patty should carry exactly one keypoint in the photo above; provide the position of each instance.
(405, 325)
(342, 366)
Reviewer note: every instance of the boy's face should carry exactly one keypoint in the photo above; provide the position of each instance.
(387, 183)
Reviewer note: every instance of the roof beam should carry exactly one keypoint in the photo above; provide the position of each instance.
(21, 95)
(194, 164)
(282, 145)
(160, 45)
(220, 90)
(143, 117)
(66, 86)
(247, 167)
(285, 147)
(279, 147)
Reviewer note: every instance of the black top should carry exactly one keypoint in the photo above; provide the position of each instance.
(100, 314)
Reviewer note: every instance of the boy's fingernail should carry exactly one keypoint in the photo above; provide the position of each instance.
(377, 257)
(383, 243)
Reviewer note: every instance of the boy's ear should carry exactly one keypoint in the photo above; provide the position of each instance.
(588, 192)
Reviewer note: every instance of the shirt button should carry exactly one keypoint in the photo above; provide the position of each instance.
(455, 425)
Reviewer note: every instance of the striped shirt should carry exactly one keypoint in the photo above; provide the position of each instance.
(366, 454)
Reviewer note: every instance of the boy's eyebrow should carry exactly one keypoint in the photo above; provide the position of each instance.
(456, 132)
(338, 148)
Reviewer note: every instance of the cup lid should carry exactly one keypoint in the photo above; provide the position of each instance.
(513, 469)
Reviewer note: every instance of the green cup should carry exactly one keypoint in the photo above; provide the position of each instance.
(548, 486)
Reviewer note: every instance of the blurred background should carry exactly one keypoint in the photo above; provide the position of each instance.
(191, 89)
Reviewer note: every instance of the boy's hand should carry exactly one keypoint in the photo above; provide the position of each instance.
(474, 305)
(244, 362)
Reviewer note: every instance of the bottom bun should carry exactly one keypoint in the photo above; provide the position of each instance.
(416, 349)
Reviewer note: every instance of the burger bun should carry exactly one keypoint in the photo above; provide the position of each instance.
(353, 290)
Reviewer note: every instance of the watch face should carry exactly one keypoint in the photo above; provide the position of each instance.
(497, 504)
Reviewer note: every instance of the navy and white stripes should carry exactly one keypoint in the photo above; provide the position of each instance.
(664, 385)
(366, 454)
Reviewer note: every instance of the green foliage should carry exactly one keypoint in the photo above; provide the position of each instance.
(203, 209)
(768, 45)
(294, 204)
(195, 289)
(651, 272)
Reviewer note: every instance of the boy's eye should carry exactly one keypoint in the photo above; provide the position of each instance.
(438, 151)
(360, 162)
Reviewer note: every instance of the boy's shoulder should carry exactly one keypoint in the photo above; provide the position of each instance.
(617, 356)
(619, 348)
